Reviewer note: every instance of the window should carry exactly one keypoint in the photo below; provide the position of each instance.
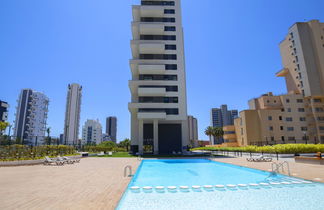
(289, 119)
(282, 110)
(158, 99)
(158, 3)
(269, 117)
(158, 37)
(301, 110)
(302, 119)
(167, 110)
(157, 77)
(171, 66)
(282, 138)
(300, 100)
(321, 128)
(280, 117)
(272, 138)
(288, 109)
(270, 128)
(317, 100)
(169, 11)
(319, 109)
(303, 128)
(281, 128)
(298, 67)
(320, 118)
(291, 138)
(296, 57)
(158, 19)
(287, 100)
(169, 28)
(158, 56)
(170, 47)
(290, 128)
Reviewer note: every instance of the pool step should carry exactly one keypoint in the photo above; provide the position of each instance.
(271, 184)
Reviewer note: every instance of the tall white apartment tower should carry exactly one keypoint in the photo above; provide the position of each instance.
(72, 114)
(158, 87)
(31, 116)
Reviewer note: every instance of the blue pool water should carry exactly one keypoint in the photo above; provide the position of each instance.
(189, 172)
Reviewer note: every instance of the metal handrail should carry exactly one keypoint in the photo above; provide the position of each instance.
(280, 165)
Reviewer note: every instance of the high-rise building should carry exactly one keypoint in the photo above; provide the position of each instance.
(158, 87)
(31, 116)
(92, 132)
(3, 111)
(302, 53)
(221, 117)
(193, 130)
(72, 114)
(111, 128)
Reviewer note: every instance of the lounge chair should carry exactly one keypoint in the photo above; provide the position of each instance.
(259, 158)
(101, 154)
(71, 160)
(49, 161)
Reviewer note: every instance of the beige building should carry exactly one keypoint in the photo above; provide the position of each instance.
(274, 119)
(158, 108)
(302, 53)
(297, 117)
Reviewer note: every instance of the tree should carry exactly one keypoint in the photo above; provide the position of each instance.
(218, 132)
(48, 138)
(108, 144)
(209, 131)
(125, 144)
(3, 127)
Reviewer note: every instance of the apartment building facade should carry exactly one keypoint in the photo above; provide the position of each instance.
(220, 117)
(111, 128)
(3, 111)
(31, 116)
(193, 131)
(91, 132)
(274, 119)
(158, 87)
(72, 114)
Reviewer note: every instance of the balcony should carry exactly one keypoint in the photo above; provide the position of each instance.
(231, 136)
(151, 115)
(151, 69)
(133, 84)
(144, 47)
(151, 92)
(147, 11)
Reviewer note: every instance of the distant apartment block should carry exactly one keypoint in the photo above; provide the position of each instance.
(221, 117)
(3, 111)
(193, 130)
(111, 128)
(158, 87)
(92, 132)
(72, 114)
(31, 116)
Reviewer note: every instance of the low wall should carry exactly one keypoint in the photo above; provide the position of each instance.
(310, 160)
(28, 162)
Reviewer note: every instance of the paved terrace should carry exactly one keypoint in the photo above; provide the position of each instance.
(306, 171)
(94, 183)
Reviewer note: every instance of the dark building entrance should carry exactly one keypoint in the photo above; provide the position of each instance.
(170, 138)
(148, 146)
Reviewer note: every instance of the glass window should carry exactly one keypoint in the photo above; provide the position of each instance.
(301, 110)
(290, 128)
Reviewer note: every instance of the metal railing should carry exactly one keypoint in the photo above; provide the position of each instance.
(277, 166)
(130, 171)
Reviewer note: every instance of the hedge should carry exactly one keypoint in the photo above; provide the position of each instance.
(278, 148)
(23, 152)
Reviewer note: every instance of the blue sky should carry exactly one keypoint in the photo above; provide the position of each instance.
(231, 50)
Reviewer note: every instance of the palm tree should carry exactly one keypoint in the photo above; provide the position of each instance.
(218, 132)
(209, 131)
(48, 131)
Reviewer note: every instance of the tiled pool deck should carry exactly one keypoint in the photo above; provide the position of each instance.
(95, 183)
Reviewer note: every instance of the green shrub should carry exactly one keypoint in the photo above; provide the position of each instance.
(278, 148)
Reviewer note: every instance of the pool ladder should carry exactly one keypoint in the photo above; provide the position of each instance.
(130, 171)
(277, 166)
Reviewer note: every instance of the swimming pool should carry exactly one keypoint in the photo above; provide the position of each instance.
(205, 184)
